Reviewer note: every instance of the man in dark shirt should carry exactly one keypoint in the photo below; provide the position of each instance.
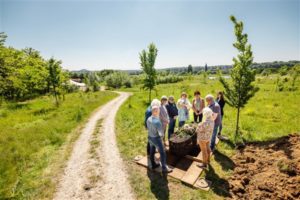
(173, 113)
(221, 101)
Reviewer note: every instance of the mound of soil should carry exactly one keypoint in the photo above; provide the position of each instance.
(268, 170)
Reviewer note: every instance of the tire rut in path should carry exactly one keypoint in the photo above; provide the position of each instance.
(111, 177)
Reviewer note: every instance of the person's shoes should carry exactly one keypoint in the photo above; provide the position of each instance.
(222, 137)
(167, 170)
(202, 166)
(153, 167)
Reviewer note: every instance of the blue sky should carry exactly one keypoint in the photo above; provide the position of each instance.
(109, 34)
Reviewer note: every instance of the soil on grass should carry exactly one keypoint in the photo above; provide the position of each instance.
(267, 170)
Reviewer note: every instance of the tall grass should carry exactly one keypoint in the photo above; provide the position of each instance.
(268, 115)
(32, 133)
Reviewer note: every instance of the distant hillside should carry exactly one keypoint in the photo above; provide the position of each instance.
(212, 69)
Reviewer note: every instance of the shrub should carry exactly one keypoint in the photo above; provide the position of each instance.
(169, 79)
(118, 79)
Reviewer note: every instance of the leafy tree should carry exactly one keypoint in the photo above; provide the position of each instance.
(295, 72)
(65, 86)
(241, 90)
(12, 61)
(266, 72)
(54, 77)
(3, 37)
(147, 59)
(205, 68)
(283, 70)
(205, 75)
(190, 69)
(118, 79)
(92, 81)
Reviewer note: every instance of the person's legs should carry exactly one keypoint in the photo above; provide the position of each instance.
(157, 143)
(213, 138)
(164, 131)
(148, 148)
(207, 151)
(162, 153)
(152, 154)
(200, 117)
(204, 151)
(195, 117)
(181, 123)
(171, 127)
(221, 126)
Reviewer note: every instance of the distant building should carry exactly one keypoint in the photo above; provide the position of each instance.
(82, 86)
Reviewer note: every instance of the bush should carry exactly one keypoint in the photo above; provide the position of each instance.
(169, 79)
(118, 79)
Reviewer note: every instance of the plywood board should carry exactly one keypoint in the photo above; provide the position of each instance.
(203, 184)
(192, 174)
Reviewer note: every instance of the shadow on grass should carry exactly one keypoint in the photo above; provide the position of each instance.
(159, 185)
(219, 185)
(17, 105)
(224, 161)
(229, 143)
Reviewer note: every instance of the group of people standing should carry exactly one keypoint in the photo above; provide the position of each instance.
(163, 114)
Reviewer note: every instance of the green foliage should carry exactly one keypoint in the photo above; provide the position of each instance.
(205, 75)
(3, 37)
(92, 80)
(241, 90)
(266, 72)
(33, 135)
(283, 70)
(190, 69)
(118, 79)
(264, 118)
(56, 77)
(169, 79)
(279, 84)
(24, 74)
(147, 59)
(295, 73)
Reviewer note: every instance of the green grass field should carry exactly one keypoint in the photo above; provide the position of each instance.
(36, 138)
(268, 115)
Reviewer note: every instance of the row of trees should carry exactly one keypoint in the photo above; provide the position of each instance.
(25, 74)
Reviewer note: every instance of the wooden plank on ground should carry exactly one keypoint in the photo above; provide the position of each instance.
(193, 158)
(194, 171)
(177, 173)
(192, 174)
(186, 168)
(180, 168)
(203, 184)
(143, 161)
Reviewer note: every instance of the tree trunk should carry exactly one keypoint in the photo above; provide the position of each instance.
(237, 123)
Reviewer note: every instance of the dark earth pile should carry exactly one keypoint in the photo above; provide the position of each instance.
(267, 170)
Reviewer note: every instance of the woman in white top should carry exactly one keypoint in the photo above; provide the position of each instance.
(183, 105)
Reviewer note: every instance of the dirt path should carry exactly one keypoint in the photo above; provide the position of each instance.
(101, 176)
